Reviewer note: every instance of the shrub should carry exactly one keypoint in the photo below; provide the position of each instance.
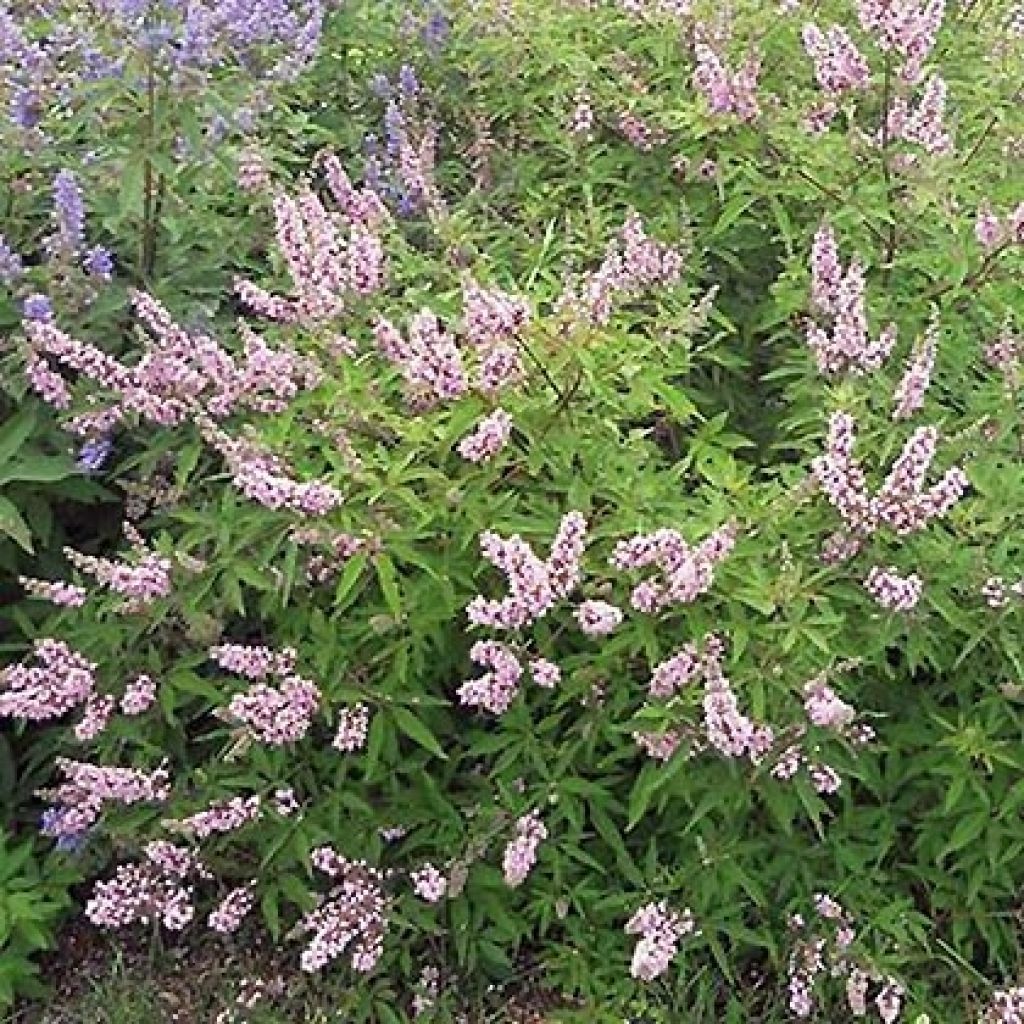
(596, 549)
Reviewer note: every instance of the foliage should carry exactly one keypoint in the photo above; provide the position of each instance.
(562, 568)
(33, 895)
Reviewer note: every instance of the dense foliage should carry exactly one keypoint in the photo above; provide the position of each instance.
(524, 493)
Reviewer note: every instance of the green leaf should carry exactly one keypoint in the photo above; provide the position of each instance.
(408, 723)
(38, 469)
(388, 584)
(15, 432)
(14, 526)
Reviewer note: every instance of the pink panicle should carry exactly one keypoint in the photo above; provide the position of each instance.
(61, 681)
(660, 930)
(521, 852)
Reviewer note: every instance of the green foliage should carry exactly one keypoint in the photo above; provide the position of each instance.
(696, 403)
(33, 899)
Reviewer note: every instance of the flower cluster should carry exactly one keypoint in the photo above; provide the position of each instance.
(276, 715)
(910, 391)
(353, 725)
(902, 503)
(141, 582)
(264, 477)
(686, 572)
(727, 729)
(993, 231)
(228, 915)
(535, 585)
(998, 593)
(521, 852)
(323, 265)
(79, 800)
(597, 618)
(181, 375)
(220, 817)
(61, 681)
(921, 124)
(839, 66)
(352, 916)
(840, 296)
(727, 92)
(632, 265)
(400, 166)
(893, 591)
(429, 883)
(816, 956)
(64, 595)
(430, 360)
(661, 929)
(497, 688)
(488, 438)
(138, 696)
(907, 27)
(140, 893)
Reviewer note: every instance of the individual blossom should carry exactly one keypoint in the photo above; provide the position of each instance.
(581, 118)
(856, 992)
(488, 438)
(11, 265)
(521, 852)
(98, 263)
(68, 215)
(660, 930)
(598, 618)
(892, 591)
(353, 725)
(824, 708)
(889, 1000)
(253, 175)
(428, 883)
(93, 455)
(1005, 1007)
(37, 308)
(660, 746)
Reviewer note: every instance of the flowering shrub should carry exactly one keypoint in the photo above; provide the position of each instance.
(595, 545)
